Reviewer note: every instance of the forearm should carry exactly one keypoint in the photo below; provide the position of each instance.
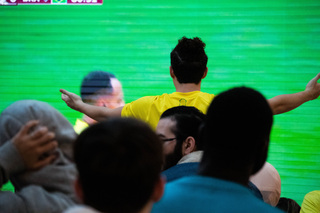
(10, 162)
(99, 113)
(94, 112)
(34, 198)
(284, 103)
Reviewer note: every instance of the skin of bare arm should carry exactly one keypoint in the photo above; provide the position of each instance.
(279, 104)
(95, 112)
(284, 103)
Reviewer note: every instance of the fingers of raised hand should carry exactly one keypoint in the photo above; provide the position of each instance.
(63, 91)
(24, 132)
(40, 133)
(47, 147)
(41, 154)
(43, 162)
(28, 126)
(313, 87)
(66, 94)
(65, 97)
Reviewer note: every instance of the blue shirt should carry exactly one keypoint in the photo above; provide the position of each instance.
(187, 169)
(206, 194)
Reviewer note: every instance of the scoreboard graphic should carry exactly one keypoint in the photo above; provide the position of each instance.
(51, 2)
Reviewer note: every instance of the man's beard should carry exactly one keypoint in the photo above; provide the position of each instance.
(173, 158)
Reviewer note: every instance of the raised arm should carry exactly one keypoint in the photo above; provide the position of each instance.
(27, 151)
(284, 103)
(95, 112)
(35, 148)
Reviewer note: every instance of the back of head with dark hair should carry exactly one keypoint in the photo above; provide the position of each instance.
(288, 205)
(189, 60)
(95, 82)
(119, 162)
(188, 121)
(236, 132)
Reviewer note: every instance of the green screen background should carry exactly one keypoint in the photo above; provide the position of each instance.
(272, 46)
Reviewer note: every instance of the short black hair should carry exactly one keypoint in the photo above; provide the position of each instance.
(119, 162)
(237, 130)
(189, 60)
(94, 82)
(188, 122)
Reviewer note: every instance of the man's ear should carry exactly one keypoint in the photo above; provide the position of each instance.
(205, 73)
(78, 189)
(158, 189)
(171, 72)
(188, 145)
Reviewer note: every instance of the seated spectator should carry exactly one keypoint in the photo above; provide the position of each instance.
(311, 202)
(99, 88)
(178, 128)
(35, 145)
(119, 163)
(235, 141)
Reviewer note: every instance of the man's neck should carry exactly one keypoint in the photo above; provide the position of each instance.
(188, 87)
(147, 208)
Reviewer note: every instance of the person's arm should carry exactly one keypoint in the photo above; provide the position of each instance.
(95, 112)
(284, 103)
(37, 147)
(27, 150)
(34, 198)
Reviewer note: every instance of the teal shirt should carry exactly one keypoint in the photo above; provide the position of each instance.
(205, 194)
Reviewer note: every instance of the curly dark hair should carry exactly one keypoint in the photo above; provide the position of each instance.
(189, 60)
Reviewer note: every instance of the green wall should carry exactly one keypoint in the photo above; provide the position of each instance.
(272, 46)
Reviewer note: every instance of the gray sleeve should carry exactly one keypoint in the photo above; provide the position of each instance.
(34, 199)
(10, 162)
(49, 191)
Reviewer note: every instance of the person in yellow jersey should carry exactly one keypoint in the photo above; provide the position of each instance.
(99, 88)
(188, 68)
(311, 202)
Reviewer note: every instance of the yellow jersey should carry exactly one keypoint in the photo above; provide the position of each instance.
(80, 126)
(150, 108)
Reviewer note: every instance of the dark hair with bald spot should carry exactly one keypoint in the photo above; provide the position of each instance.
(94, 83)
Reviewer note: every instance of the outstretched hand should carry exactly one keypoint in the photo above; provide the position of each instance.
(98, 113)
(72, 100)
(313, 87)
(35, 148)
